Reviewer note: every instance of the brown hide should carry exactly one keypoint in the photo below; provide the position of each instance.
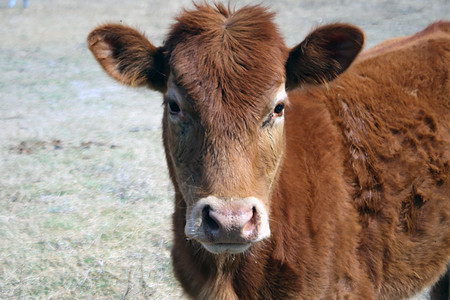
(391, 111)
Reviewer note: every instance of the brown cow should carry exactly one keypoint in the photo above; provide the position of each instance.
(329, 192)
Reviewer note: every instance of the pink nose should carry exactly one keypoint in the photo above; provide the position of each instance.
(227, 224)
(230, 224)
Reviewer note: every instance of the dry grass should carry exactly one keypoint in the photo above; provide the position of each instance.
(85, 200)
(85, 220)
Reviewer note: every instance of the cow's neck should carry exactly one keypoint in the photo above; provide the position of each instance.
(220, 286)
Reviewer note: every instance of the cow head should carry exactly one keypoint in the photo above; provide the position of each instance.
(224, 77)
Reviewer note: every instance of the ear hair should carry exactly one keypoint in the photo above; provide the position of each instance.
(127, 56)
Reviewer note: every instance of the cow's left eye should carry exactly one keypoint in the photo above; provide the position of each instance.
(276, 113)
(278, 110)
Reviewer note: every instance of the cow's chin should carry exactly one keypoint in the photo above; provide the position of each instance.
(226, 248)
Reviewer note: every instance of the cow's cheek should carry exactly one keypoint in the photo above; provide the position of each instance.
(184, 152)
(271, 147)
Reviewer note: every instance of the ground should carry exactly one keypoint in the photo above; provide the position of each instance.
(85, 199)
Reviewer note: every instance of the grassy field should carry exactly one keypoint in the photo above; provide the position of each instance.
(85, 199)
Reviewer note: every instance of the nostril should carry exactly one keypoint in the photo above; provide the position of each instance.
(250, 228)
(210, 224)
(255, 215)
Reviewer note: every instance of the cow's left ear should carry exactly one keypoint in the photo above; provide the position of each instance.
(127, 56)
(323, 55)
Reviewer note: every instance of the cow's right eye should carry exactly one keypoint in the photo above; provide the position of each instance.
(174, 108)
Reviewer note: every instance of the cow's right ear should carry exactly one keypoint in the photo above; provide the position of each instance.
(127, 56)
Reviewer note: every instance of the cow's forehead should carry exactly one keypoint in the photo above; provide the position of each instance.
(228, 62)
